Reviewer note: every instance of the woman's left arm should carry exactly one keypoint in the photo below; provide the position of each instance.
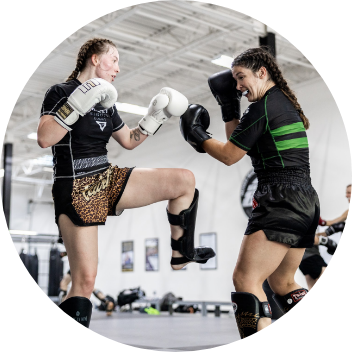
(129, 139)
(228, 153)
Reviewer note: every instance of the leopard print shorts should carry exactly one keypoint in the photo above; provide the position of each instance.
(89, 200)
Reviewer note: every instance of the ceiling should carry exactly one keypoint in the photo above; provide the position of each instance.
(160, 44)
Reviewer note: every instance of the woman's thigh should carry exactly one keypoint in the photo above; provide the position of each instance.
(259, 257)
(81, 245)
(148, 186)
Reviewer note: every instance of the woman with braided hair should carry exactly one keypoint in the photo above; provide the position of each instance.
(78, 117)
(285, 215)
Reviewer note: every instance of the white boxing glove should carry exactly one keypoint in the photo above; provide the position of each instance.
(169, 102)
(83, 99)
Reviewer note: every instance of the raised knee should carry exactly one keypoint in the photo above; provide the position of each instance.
(188, 178)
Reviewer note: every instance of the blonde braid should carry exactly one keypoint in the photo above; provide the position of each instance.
(93, 46)
(256, 58)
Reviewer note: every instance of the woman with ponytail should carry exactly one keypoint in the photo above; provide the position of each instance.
(78, 117)
(285, 215)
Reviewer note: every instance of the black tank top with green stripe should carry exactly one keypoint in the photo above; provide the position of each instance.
(272, 133)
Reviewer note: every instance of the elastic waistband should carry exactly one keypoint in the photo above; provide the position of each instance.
(291, 176)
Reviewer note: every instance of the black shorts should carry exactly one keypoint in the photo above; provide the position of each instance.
(286, 207)
(312, 266)
(87, 201)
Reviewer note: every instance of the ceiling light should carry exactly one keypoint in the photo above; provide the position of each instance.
(132, 109)
(32, 135)
(223, 60)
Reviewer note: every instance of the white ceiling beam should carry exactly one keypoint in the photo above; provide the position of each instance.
(168, 21)
(174, 54)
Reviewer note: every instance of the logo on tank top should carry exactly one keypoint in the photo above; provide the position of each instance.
(101, 124)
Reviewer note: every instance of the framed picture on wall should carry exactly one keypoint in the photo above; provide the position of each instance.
(208, 240)
(152, 254)
(127, 256)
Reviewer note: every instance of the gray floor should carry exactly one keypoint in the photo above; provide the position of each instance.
(179, 332)
(164, 333)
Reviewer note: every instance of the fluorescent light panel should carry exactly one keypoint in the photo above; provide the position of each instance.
(132, 109)
(32, 135)
(223, 60)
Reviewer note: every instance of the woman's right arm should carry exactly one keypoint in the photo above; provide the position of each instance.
(49, 131)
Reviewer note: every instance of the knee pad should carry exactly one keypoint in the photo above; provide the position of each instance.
(288, 301)
(185, 245)
(248, 310)
(78, 308)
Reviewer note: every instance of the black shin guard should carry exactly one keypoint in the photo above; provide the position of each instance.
(288, 301)
(248, 310)
(78, 308)
(185, 245)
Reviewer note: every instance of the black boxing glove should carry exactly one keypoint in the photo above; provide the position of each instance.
(328, 243)
(193, 125)
(338, 227)
(223, 87)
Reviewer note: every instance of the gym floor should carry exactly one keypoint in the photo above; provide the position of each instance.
(164, 332)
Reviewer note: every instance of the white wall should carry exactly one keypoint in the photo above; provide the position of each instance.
(219, 207)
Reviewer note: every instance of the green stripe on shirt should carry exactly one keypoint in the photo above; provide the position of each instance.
(243, 146)
(292, 143)
(293, 128)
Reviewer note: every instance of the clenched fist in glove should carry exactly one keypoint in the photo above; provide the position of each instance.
(338, 227)
(83, 99)
(328, 243)
(169, 102)
(193, 125)
(223, 87)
